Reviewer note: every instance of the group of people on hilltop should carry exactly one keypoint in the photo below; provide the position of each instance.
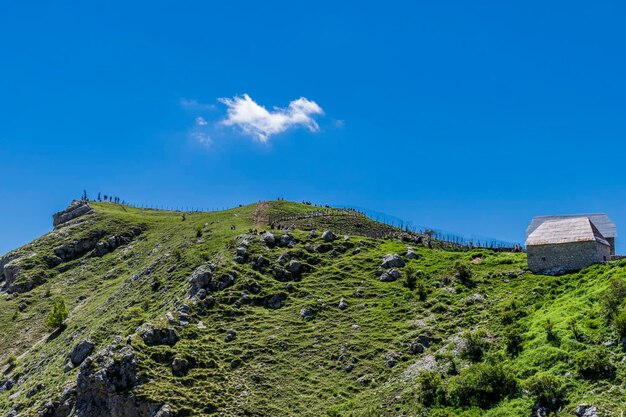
(100, 198)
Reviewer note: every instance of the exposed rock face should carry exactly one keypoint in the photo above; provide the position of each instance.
(392, 261)
(269, 239)
(81, 351)
(114, 242)
(585, 410)
(78, 248)
(3, 262)
(411, 254)
(74, 210)
(105, 383)
(391, 275)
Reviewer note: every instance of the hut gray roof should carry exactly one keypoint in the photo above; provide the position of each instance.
(600, 220)
(567, 230)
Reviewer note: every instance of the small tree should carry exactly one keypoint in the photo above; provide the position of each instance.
(198, 231)
(59, 314)
(462, 272)
(619, 322)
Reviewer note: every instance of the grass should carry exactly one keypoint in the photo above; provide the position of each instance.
(338, 363)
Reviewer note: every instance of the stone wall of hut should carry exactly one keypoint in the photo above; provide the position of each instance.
(555, 259)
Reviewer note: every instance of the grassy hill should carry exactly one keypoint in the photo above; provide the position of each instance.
(196, 314)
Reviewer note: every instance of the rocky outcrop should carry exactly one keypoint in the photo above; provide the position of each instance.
(328, 236)
(74, 210)
(200, 279)
(157, 336)
(78, 248)
(109, 245)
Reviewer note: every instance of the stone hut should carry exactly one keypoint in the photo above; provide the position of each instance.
(560, 244)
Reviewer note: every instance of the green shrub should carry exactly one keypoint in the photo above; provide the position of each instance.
(431, 388)
(11, 361)
(412, 278)
(572, 325)
(198, 231)
(481, 385)
(59, 314)
(178, 255)
(594, 364)
(546, 389)
(475, 345)
(551, 336)
(513, 338)
(614, 296)
(462, 272)
(619, 322)
(421, 291)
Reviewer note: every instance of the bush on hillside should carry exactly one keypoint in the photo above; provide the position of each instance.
(431, 388)
(481, 385)
(619, 322)
(513, 338)
(462, 272)
(59, 314)
(594, 364)
(614, 296)
(475, 345)
(546, 389)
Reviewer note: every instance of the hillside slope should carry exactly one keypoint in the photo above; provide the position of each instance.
(181, 314)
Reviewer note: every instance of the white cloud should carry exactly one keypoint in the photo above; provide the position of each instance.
(192, 104)
(260, 123)
(200, 121)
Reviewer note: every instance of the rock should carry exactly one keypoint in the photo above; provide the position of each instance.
(313, 234)
(180, 367)
(113, 242)
(416, 348)
(364, 380)
(81, 351)
(242, 251)
(78, 248)
(157, 336)
(287, 240)
(342, 304)
(294, 266)
(268, 238)
(328, 236)
(200, 279)
(390, 276)
(307, 314)
(391, 359)
(164, 411)
(231, 334)
(585, 410)
(275, 301)
(392, 261)
(282, 275)
(104, 387)
(76, 209)
(411, 254)
(260, 263)
(224, 281)
(477, 298)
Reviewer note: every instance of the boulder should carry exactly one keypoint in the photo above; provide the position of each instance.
(200, 279)
(585, 410)
(157, 336)
(81, 351)
(411, 254)
(231, 334)
(287, 240)
(392, 261)
(180, 367)
(328, 236)
(313, 234)
(268, 238)
(391, 275)
(307, 314)
(342, 304)
(76, 209)
(294, 266)
(275, 301)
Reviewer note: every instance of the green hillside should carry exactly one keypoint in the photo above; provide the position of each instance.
(194, 314)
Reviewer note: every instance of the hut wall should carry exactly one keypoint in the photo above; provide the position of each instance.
(554, 259)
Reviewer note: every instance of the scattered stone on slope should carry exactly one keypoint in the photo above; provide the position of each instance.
(342, 304)
(260, 263)
(313, 234)
(200, 279)
(307, 314)
(180, 367)
(287, 240)
(391, 275)
(411, 254)
(275, 301)
(81, 351)
(328, 236)
(76, 209)
(268, 238)
(231, 334)
(154, 336)
(585, 410)
(294, 266)
(392, 261)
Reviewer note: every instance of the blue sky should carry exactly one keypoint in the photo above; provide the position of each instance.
(466, 116)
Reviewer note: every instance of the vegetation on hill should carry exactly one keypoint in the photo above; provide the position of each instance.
(197, 314)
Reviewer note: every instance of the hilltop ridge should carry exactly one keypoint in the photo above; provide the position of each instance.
(216, 313)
